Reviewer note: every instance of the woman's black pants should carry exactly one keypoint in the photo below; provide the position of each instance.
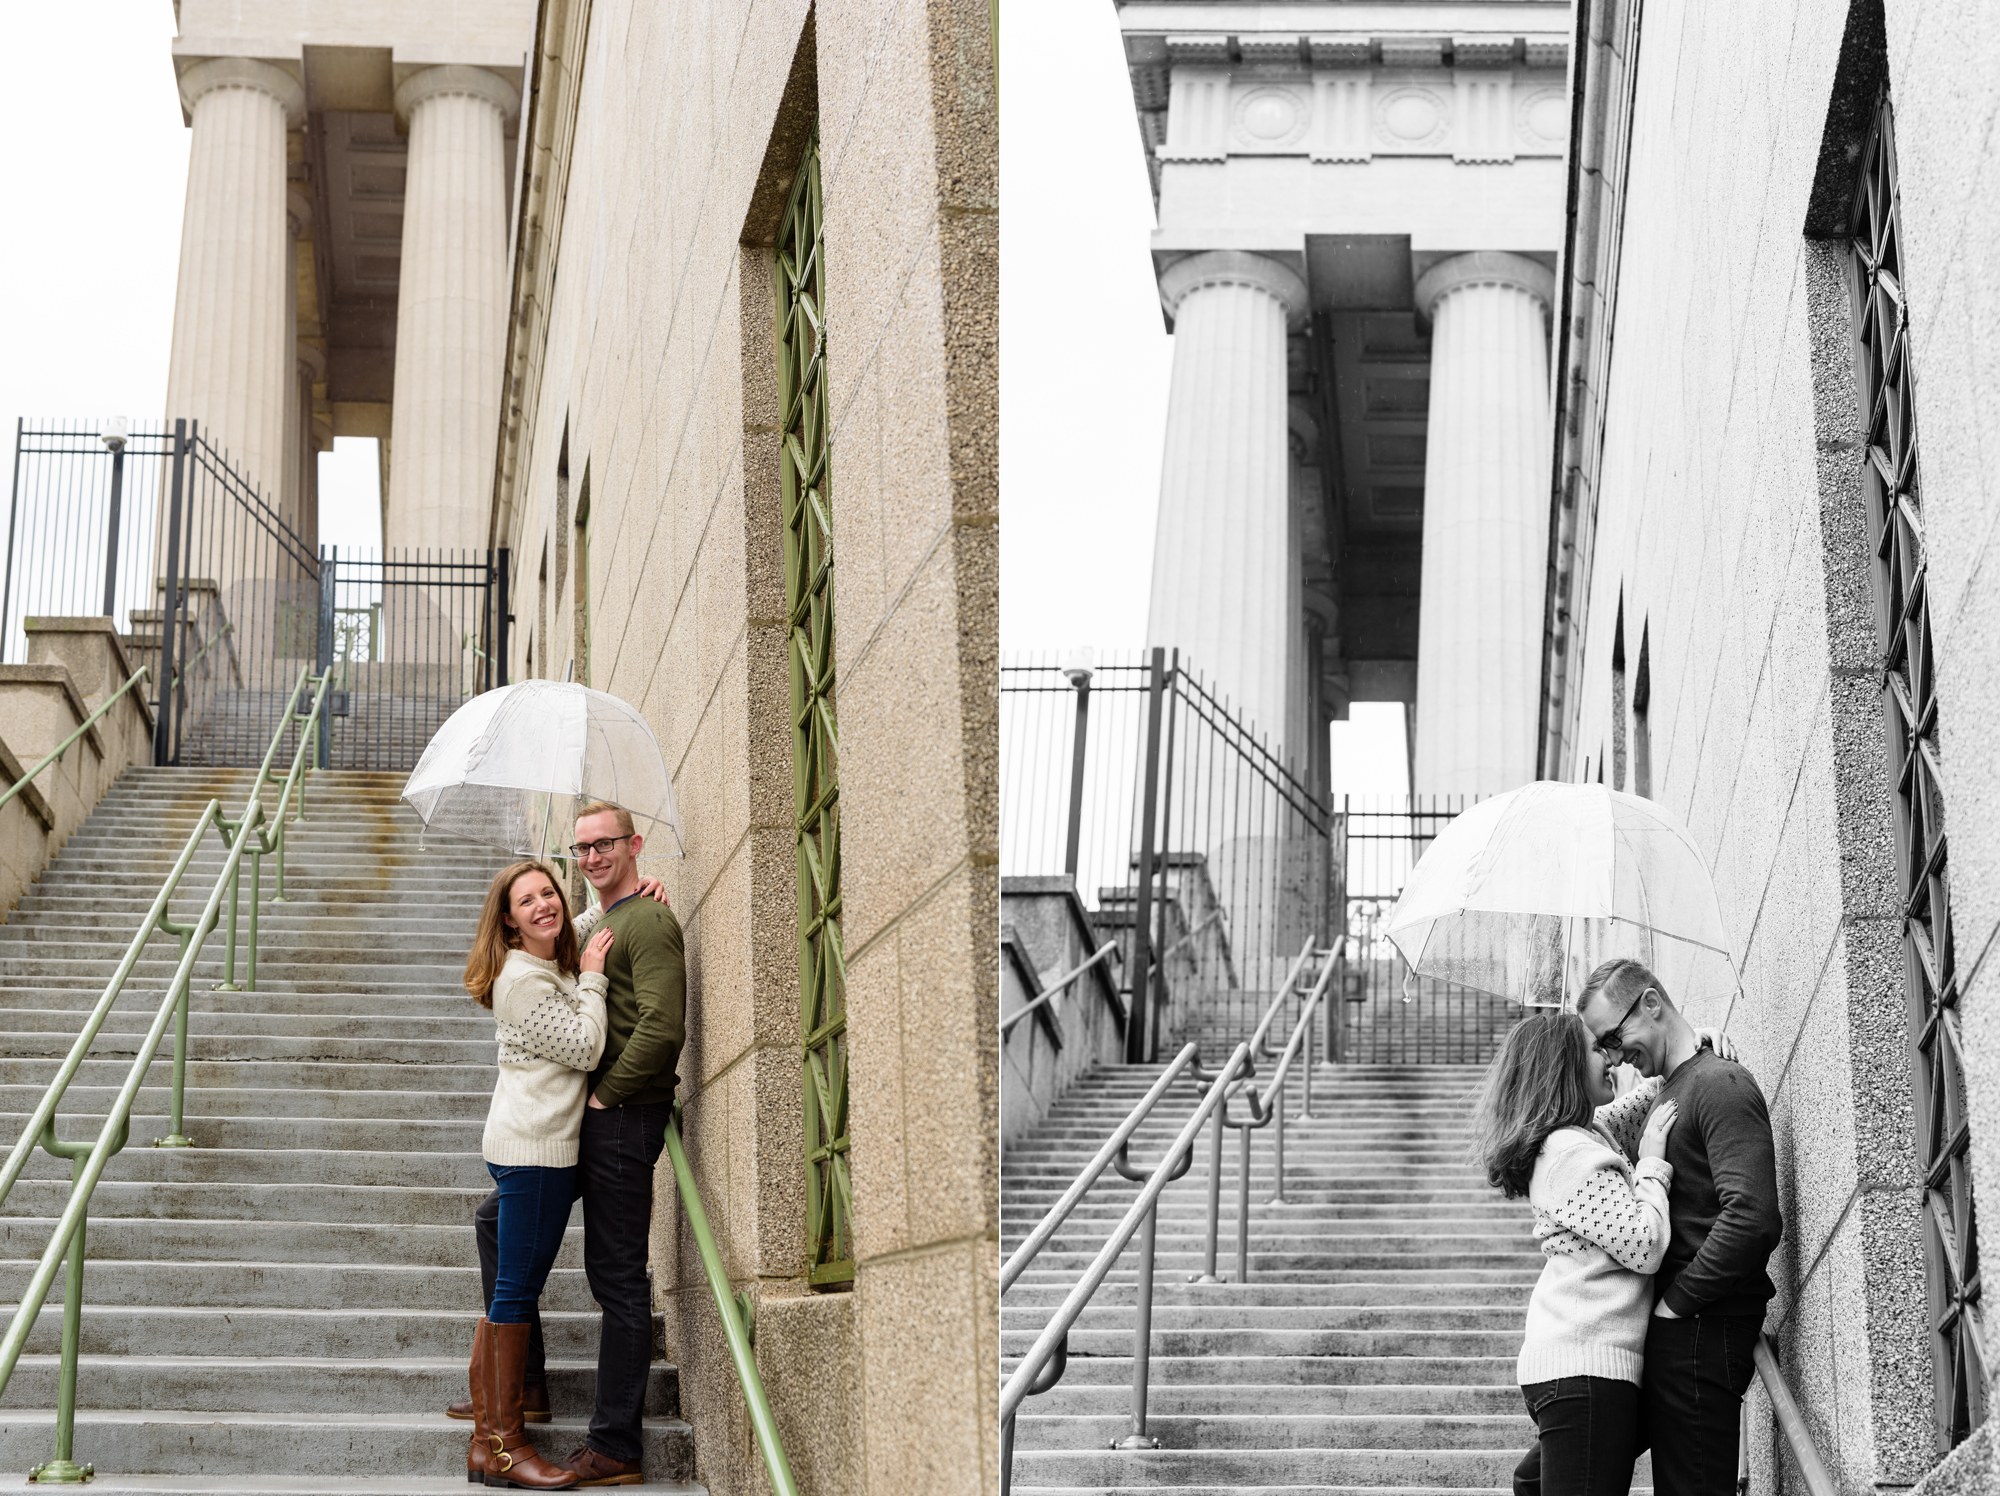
(1589, 1437)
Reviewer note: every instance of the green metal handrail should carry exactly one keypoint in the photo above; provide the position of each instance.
(55, 754)
(89, 1159)
(736, 1318)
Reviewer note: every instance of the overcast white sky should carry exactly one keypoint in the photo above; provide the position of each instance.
(99, 171)
(1085, 359)
(95, 180)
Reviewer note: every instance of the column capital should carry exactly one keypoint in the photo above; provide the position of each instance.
(298, 211)
(244, 72)
(1232, 267)
(1484, 267)
(311, 362)
(453, 78)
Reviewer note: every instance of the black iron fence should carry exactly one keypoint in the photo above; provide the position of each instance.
(1189, 837)
(217, 586)
(1192, 842)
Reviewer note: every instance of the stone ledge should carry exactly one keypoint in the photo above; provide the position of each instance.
(56, 675)
(34, 799)
(121, 660)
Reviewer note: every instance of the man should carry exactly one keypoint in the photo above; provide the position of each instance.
(1712, 1287)
(624, 1129)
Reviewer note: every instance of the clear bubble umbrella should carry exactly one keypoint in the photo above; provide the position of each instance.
(511, 767)
(1524, 894)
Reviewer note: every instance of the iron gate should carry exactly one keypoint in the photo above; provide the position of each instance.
(1389, 1017)
(411, 636)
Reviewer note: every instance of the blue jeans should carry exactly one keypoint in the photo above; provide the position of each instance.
(534, 1210)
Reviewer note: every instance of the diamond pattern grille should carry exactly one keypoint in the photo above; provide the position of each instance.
(799, 279)
(1910, 717)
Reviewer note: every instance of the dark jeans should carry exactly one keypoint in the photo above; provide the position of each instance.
(531, 1210)
(1697, 1371)
(620, 1145)
(1588, 1437)
(486, 1231)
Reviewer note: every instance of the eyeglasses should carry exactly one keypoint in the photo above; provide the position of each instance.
(1612, 1042)
(601, 847)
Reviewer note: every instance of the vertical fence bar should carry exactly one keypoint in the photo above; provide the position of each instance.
(1137, 1024)
(111, 530)
(13, 509)
(163, 720)
(1080, 735)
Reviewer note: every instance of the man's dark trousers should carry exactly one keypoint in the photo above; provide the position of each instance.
(617, 1152)
(1697, 1371)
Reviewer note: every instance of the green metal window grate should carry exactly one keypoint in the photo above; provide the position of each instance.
(799, 278)
(1910, 718)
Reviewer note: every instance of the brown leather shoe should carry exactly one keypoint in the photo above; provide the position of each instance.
(534, 1404)
(594, 1469)
(512, 1460)
(480, 1405)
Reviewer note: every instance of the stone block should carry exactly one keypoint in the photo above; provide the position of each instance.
(925, 1380)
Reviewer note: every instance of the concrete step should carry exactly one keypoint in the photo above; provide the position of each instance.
(283, 1384)
(301, 1285)
(382, 1334)
(302, 1444)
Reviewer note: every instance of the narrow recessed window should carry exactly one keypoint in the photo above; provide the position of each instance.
(1642, 727)
(1618, 699)
(799, 277)
(1890, 481)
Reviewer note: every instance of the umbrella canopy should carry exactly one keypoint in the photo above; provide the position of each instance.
(1523, 894)
(511, 767)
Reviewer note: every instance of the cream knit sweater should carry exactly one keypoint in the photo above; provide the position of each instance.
(1602, 1223)
(551, 1030)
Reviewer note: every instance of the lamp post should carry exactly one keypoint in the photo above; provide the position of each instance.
(117, 431)
(1078, 666)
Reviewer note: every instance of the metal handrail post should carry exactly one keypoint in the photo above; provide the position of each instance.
(1243, 1206)
(177, 1123)
(1278, 1144)
(1207, 1273)
(63, 1469)
(256, 897)
(1051, 1374)
(1142, 1331)
(228, 983)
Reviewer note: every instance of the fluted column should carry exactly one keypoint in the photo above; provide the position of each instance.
(1220, 562)
(451, 310)
(298, 411)
(230, 366)
(1486, 482)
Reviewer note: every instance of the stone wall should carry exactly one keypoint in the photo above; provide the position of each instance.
(638, 488)
(1730, 538)
(1045, 932)
(73, 665)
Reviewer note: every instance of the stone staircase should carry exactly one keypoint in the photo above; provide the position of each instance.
(1373, 1347)
(288, 1305)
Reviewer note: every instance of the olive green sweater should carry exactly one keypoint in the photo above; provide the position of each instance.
(645, 1001)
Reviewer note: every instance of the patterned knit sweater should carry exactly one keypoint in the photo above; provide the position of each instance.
(551, 1031)
(1602, 1223)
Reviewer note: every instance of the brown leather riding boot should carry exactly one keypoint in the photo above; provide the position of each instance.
(512, 1460)
(534, 1404)
(478, 1409)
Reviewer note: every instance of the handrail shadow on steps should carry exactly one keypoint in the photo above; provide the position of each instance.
(88, 1159)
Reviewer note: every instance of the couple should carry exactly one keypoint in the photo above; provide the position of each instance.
(589, 1035)
(1672, 1185)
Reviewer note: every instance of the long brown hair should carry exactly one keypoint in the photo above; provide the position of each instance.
(496, 937)
(1536, 1084)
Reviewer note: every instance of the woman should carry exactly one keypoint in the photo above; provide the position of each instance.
(548, 1005)
(1545, 1128)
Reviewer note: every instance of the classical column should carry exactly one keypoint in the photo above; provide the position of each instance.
(1486, 496)
(298, 409)
(1220, 552)
(451, 310)
(230, 367)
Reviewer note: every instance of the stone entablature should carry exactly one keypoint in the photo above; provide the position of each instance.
(1472, 94)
